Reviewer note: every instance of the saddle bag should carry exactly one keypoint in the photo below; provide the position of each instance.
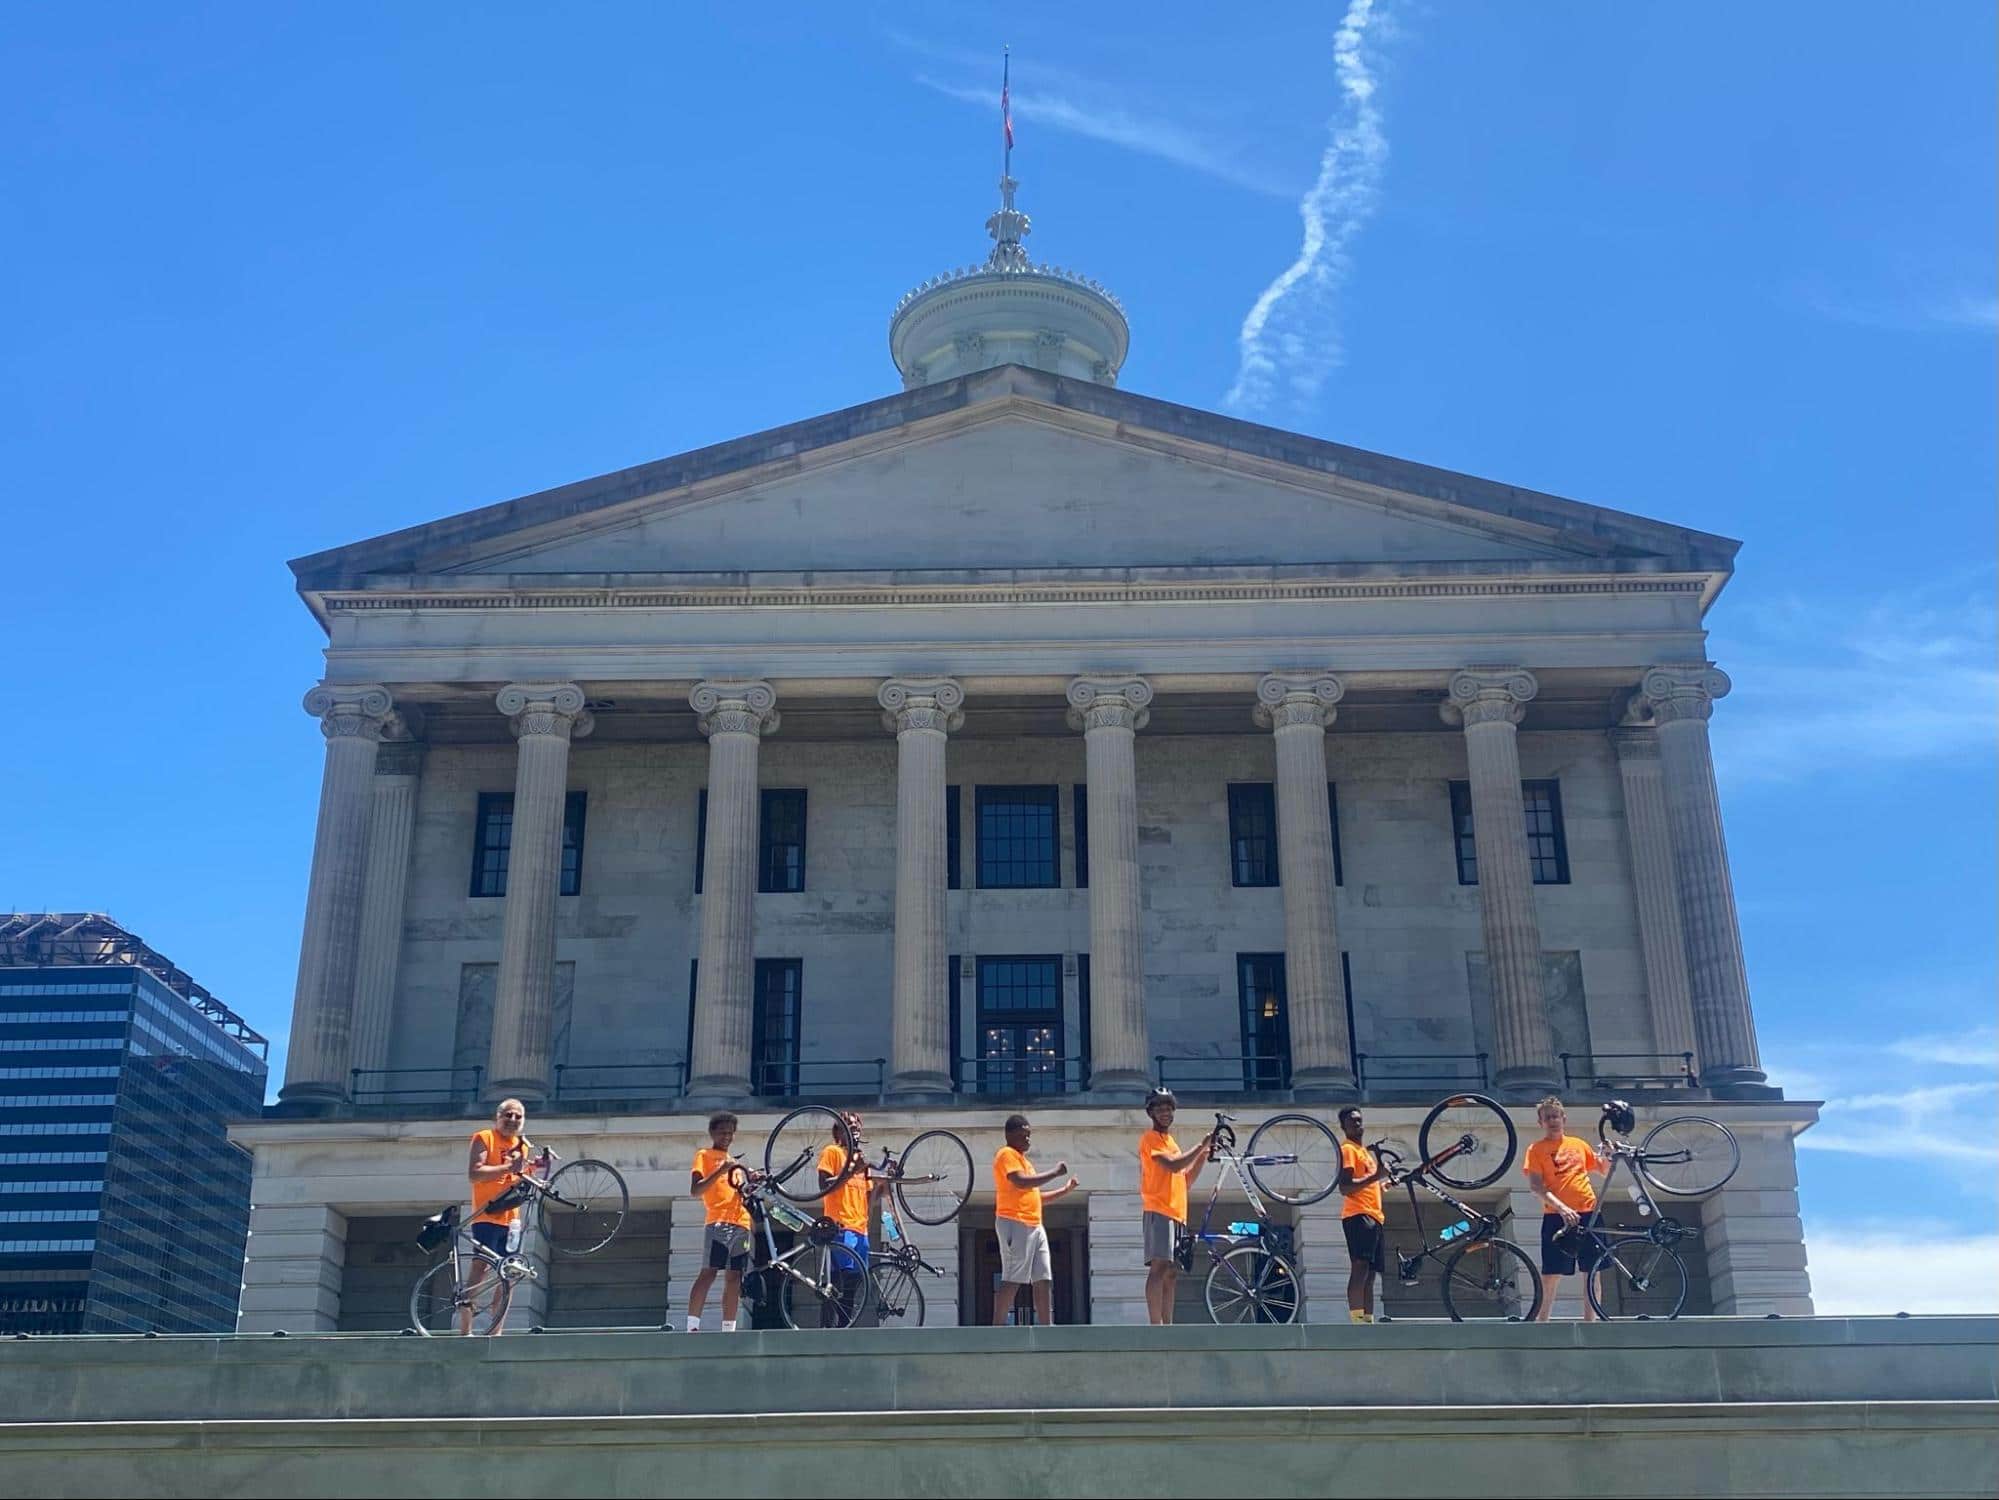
(438, 1228)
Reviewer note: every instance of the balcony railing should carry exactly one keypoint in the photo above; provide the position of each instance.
(1016, 1077)
(1629, 1070)
(1388, 1072)
(415, 1085)
(1246, 1072)
(819, 1075)
(581, 1082)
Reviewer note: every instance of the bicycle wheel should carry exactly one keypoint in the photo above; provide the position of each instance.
(836, 1291)
(1483, 1134)
(1638, 1279)
(1252, 1285)
(1491, 1279)
(791, 1155)
(1294, 1158)
(936, 1177)
(898, 1297)
(437, 1304)
(1689, 1155)
(583, 1207)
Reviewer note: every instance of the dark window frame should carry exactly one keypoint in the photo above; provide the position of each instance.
(954, 841)
(1333, 812)
(1261, 1071)
(780, 863)
(955, 986)
(1253, 851)
(1045, 860)
(492, 855)
(1547, 848)
(700, 838)
(792, 1000)
(1016, 1020)
(1079, 804)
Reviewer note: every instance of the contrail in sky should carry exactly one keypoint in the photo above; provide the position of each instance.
(1290, 338)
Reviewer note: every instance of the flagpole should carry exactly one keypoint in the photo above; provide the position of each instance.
(1006, 96)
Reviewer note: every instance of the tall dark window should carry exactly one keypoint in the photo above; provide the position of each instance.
(493, 840)
(953, 838)
(774, 1026)
(1333, 811)
(781, 840)
(1346, 987)
(700, 839)
(1018, 845)
(1252, 833)
(1082, 1020)
(693, 988)
(1082, 815)
(1266, 1023)
(1020, 1025)
(956, 989)
(1547, 844)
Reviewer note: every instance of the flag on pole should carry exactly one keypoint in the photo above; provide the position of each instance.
(1006, 100)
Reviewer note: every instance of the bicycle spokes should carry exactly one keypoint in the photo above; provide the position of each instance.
(1689, 1155)
(1469, 1139)
(1252, 1285)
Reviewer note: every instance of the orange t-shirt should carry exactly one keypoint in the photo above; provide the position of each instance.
(1161, 1191)
(1360, 1161)
(1018, 1203)
(484, 1192)
(1565, 1166)
(847, 1204)
(725, 1205)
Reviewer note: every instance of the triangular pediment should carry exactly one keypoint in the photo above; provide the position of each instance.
(1021, 471)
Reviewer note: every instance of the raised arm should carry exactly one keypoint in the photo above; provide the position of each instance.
(478, 1171)
(1038, 1179)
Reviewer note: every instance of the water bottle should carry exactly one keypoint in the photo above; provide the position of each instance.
(1463, 1226)
(1644, 1208)
(789, 1217)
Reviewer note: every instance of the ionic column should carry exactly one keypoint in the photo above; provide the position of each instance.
(1655, 884)
(735, 716)
(1298, 711)
(1110, 712)
(353, 719)
(1682, 699)
(1490, 702)
(922, 714)
(544, 718)
(391, 821)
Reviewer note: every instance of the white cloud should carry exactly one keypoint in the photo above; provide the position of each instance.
(1942, 1119)
(1865, 1268)
(1905, 312)
(1975, 1048)
(1289, 339)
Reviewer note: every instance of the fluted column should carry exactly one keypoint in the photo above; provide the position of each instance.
(353, 719)
(1490, 702)
(1682, 697)
(544, 718)
(1298, 711)
(391, 822)
(735, 716)
(1656, 886)
(922, 714)
(1110, 712)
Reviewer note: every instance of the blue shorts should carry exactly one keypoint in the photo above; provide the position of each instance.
(857, 1242)
(492, 1236)
(1563, 1254)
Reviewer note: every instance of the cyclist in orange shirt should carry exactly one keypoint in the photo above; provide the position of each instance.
(1361, 1217)
(1023, 1241)
(728, 1233)
(498, 1158)
(847, 1204)
(1558, 1167)
(1164, 1171)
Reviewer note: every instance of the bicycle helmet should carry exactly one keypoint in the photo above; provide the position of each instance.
(1622, 1117)
(1159, 1094)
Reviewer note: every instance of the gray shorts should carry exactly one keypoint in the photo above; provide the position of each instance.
(1024, 1256)
(1161, 1234)
(728, 1247)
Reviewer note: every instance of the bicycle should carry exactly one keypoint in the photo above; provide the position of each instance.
(1641, 1268)
(1483, 1272)
(898, 1294)
(579, 1207)
(1255, 1280)
(837, 1283)
(931, 1176)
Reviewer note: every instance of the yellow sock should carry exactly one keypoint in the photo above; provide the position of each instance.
(1355, 1315)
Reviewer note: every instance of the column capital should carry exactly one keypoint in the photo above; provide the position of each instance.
(1682, 690)
(352, 711)
(1489, 695)
(735, 707)
(935, 703)
(1284, 700)
(1109, 703)
(545, 708)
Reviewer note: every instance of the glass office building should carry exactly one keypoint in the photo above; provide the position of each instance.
(123, 1207)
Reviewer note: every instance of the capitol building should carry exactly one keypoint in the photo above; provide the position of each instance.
(1010, 742)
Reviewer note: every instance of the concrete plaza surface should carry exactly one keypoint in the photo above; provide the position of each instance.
(1825, 1406)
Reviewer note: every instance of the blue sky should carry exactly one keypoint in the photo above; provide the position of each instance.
(279, 279)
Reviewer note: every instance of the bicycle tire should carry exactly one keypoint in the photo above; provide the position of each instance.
(1486, 1276)
(583, 1207)
(898, 1296)
(1706, 1151)
(1250, 1284)
(435, 1301)
(1475, 1118)
(845, 1272)
(792, 1149)
(939, 1154)
(1650, 1281)
(1311, 1141)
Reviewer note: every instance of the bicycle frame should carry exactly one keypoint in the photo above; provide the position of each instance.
(1235, 1163)
(1664, 1229)
(1481, 1225)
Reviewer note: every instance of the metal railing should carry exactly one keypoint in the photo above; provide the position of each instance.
(402, 1085)
(1387, 1071)
(819, 1075)
(1016, 1077)
(1249, 1072)
(1586, 1069)
(582, 1081)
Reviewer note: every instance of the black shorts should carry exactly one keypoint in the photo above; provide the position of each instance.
(1365, 1241)
(492, 1236)
(1563, 1254)
(728, 1247)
